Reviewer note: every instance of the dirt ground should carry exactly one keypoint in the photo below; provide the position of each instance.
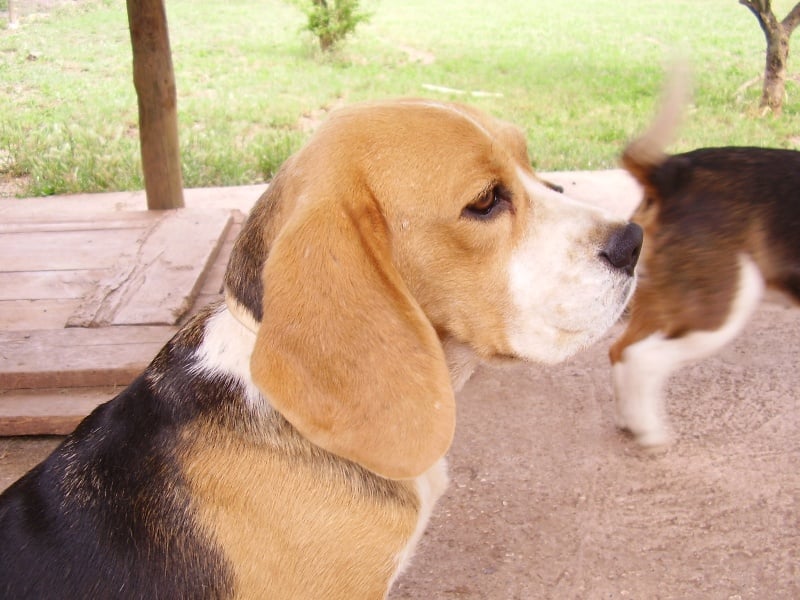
(548, 500)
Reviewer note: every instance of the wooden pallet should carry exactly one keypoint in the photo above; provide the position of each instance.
(86, 301)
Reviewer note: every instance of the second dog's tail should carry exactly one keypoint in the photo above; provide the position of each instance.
(647, 151)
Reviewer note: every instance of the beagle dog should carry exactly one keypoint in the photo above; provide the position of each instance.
(720, 224)
(289, 442)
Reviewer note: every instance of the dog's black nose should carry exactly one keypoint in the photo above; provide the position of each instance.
(623, 247)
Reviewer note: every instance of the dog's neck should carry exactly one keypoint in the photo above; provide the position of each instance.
(461, 362)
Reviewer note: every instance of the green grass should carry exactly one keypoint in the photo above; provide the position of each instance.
(580, 79)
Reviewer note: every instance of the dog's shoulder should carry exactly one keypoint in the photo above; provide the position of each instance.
(114, 488)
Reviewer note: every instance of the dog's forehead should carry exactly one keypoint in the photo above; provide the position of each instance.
(426, 147)
(408, 124)
(480, 121)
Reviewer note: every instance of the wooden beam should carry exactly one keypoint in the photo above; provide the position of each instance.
(154, 80)
(77, 357)
(49, 411)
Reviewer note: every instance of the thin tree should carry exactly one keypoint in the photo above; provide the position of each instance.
(13, 15)
(777, 34)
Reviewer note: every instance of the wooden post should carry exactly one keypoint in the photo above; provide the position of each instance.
(154, 80)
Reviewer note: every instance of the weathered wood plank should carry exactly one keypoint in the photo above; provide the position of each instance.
(64, 250)
(78, 357)
(32, 223)
(76, 206)
(25, 315)
(168, 272)
(48, 285)
(156, 281)
(49, 411)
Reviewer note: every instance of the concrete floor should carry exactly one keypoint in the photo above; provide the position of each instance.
(549, 500)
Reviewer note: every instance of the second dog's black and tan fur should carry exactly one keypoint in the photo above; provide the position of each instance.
(720, 225)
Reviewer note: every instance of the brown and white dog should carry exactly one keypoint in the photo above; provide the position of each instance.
(289, 443)
(720, 224)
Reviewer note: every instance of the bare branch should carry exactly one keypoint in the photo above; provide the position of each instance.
(792, 20)
(755, 8)
(762, 9)
(758, 6)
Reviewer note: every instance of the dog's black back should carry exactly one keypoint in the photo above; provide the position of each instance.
(748, 196)
(107, 514)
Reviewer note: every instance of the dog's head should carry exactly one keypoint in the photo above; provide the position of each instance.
(399, 225)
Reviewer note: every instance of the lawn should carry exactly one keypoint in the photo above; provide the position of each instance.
(580, 76)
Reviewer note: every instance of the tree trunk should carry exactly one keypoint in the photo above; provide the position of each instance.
(777, 34)
(775, 70)
(325, 37)
(13, 16)
(154, 81)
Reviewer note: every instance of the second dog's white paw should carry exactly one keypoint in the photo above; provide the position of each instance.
(648, 433)
(659, 438)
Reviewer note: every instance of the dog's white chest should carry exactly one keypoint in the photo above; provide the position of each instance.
(430, 487)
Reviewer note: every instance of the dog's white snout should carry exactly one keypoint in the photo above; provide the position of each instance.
(570, 277)
(623, 247)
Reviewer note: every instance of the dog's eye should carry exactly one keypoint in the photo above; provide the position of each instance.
(489, 203)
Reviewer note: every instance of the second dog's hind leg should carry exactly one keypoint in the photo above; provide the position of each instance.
(643, 367)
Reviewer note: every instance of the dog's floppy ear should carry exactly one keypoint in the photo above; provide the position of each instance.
(344, 351)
